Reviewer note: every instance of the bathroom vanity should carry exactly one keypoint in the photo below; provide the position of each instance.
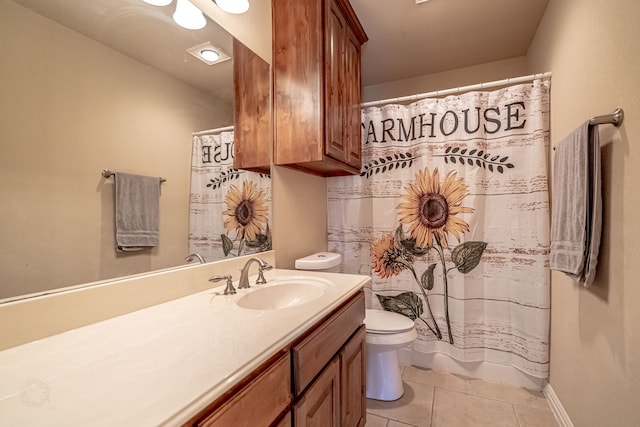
(205, 359)
(316, 380)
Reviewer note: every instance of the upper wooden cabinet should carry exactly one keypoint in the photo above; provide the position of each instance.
(252, 110)
(317, 86)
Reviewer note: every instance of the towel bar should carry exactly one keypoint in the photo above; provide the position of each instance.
(108, 174)
(616, 118)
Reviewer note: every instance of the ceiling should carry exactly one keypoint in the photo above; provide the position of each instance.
(408, 39)
(148, 34)
(405, 39)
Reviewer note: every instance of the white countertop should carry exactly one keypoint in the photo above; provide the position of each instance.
(156, 366)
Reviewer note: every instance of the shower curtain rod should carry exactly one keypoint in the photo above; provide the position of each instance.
(210, 131)
(460, 89)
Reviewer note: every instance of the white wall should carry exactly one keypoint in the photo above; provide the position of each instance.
(592, 48)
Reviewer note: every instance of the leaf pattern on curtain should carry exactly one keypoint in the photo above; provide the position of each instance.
(450, 217)
(229, 209)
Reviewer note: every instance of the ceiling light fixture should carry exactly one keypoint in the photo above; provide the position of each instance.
(208, 53)
(158, 2)
(188, 16)
(233, 6)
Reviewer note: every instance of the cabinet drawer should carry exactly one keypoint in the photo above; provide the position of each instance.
(315, 351)
(260, 402)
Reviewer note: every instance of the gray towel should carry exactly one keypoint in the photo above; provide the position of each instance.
(137, 211)
(594, 232)
(576, 212)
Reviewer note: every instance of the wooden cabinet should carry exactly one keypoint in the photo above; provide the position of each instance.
(317, 86)
(286, 421)
(259, 403)
(336, 398)
(353, 374)
(334, 354)
(318, 380)
(320, 405)
(253, 137)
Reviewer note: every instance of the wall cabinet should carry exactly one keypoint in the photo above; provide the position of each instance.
(317, 86)
(252, 110)
(319, 380)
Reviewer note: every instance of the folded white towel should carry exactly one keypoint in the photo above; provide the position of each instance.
(137, 200)
(576, 212)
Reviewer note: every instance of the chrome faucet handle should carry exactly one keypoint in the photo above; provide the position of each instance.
(261, 269)
(229, 290)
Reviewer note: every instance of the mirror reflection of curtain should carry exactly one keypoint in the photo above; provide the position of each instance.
(229, 209)
(450, 217)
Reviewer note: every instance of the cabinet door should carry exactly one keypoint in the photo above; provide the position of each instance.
(320, 405)
(334, 83)
(285, 421)
(352, 381)
(352, 86)
(342, 86)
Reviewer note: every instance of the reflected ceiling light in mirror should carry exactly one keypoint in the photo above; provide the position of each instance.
(188, 16)
(233, 6)
(208, 53)
(158, 2)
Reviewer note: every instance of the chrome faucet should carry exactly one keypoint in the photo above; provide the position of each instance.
(193, 257)
(229, 290)
(244, 273)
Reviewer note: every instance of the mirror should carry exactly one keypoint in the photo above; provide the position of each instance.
(87, 86)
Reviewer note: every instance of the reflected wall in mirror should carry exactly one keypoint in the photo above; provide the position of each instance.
(87, 86)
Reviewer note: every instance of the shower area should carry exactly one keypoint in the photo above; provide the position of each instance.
(450, 218)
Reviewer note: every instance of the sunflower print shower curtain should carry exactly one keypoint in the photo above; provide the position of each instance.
(229, 209)
(450, 218)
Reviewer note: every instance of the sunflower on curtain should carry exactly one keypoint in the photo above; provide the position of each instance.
(429, 209)
(449, 216)
(229, 209)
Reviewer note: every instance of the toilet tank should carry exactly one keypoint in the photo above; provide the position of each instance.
(321, 261)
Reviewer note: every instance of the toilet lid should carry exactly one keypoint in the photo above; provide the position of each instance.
(387, 322)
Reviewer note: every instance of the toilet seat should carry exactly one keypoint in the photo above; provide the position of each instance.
(386, 322)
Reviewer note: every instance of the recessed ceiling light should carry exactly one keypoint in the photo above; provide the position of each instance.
(233, 6)
(158, 2)
(208, 53)
(188, 16)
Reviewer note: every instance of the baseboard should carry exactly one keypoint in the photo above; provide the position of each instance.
(556, 406)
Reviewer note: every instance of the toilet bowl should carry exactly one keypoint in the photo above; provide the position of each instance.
(387, 332)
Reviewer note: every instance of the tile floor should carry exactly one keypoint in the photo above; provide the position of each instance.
(438, 399)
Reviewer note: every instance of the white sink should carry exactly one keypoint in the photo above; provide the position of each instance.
(284, 292)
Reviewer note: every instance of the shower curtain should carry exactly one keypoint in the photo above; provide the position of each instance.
(229, 209)
(450, 217)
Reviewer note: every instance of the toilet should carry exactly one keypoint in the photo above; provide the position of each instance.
(324, 261)
(387, 332)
